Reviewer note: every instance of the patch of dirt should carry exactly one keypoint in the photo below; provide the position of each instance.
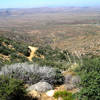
(4, 57)
(32, 53)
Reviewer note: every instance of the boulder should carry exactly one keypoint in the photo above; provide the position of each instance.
(71, 81)
(68, 77)
(40, 87)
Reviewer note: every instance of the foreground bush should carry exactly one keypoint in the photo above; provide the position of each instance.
(64, 95)
(33, 73)
(90, 79)
(11, 89)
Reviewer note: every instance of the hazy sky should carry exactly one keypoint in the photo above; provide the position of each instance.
(46, 3)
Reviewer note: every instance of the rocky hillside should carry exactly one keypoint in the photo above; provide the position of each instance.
(13, 52)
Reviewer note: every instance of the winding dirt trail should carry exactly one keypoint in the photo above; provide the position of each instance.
(32, 53)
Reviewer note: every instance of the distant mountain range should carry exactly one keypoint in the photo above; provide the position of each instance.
(22, 11)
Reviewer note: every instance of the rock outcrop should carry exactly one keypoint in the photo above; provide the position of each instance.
(40, 87)
(71, 81)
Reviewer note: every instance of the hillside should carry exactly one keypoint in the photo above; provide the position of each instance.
(61, 70)
(17, 52)
(75, 29)
(50, 53)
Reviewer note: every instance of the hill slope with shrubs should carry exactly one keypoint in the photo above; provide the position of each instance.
(16, 52)
(11, 51)
(16, 70)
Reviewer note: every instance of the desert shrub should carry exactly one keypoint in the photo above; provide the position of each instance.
(11, 89)
(61, 65)
(49, 53)
(33, 73)
(5, 40)
(1, 49)
(22, 48)
(55, 58)
(5, 50)
(90, 79)
(19, 47)
(55, 64)
(64, 95)
(55, 54)
(17, 58)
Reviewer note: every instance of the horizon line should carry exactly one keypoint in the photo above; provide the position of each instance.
(52, 7)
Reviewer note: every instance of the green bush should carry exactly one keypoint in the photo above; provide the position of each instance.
(14, 57)
(22, 48)
(55, 58)
(5, 50)
(11, 89)
(64, 95)
(19, 47)
(90, 79)
(13, 53)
